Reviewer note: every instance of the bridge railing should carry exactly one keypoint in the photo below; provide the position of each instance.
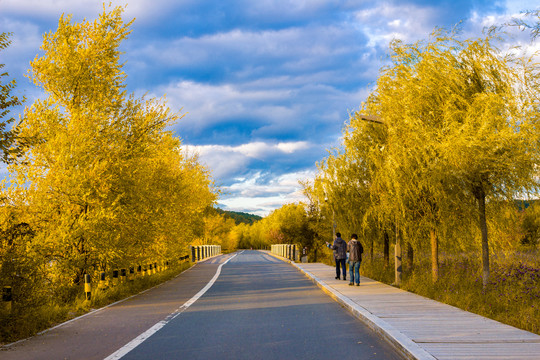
(288, 251)
(117, 276)
(201, 252)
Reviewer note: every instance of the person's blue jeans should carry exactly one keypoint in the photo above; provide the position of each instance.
(341, 263)
(354, 271)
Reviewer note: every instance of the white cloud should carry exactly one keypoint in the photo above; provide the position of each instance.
(245, 54)
(516, 6)
(291, 147)
(25, 40)
(256, 196)
(4, 172)
(210, 104)
(225, 161)
(514, 41)
(385, 22)
(280, 108)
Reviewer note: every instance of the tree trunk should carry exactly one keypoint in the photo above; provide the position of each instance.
(397, 254)
(481, 198)
(434, 255)
(386, 250)
(410, 256)
(371, 251)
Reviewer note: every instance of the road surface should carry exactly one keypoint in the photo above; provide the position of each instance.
(246, 305)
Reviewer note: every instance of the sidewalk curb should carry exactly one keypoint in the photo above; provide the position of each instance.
(398, 340)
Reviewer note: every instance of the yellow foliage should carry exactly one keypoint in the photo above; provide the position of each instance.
(101, 183)
(457, 133)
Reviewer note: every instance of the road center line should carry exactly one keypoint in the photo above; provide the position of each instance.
(145, 335)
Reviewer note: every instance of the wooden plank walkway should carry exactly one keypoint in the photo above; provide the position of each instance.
(424, 328)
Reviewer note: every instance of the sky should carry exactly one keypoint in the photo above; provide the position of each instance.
(266, 86)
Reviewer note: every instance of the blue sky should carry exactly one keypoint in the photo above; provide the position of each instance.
(266, 86)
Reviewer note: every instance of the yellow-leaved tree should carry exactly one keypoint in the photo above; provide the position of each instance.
(450, 130)
(102, 181)
(462, 124)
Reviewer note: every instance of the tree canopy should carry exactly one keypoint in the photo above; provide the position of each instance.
(100, 183)
(456, 132)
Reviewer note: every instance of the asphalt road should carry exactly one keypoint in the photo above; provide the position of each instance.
(258, 308)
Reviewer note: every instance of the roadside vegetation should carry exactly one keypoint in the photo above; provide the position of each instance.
(70, 302)
(96, 180)
(511, 297)
(433, 164)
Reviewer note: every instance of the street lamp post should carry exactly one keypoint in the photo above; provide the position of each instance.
(397, 248)
(333, 218)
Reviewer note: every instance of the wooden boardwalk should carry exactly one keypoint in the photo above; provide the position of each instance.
(423, 328)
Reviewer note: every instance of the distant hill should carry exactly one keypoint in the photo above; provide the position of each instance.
(240, 217)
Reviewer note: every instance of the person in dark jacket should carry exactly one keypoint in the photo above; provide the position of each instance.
(340, 255)
(355, 249)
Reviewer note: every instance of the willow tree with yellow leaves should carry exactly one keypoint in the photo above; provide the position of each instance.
(101, 181)
(461, 120)
(450, 131)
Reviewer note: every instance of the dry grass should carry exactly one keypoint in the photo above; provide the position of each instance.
(512, 296)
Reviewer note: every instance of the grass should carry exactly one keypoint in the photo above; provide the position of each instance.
(25, 322)
(512, 296)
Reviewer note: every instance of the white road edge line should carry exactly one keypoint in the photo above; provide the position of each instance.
(145, 335)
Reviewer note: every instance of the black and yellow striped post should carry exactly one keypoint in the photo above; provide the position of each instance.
(102, 283)
(145, 270)
(139, 270)
(123, 275)
(150, 269)
(115, 277)
(7, 298)
(87, 287)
